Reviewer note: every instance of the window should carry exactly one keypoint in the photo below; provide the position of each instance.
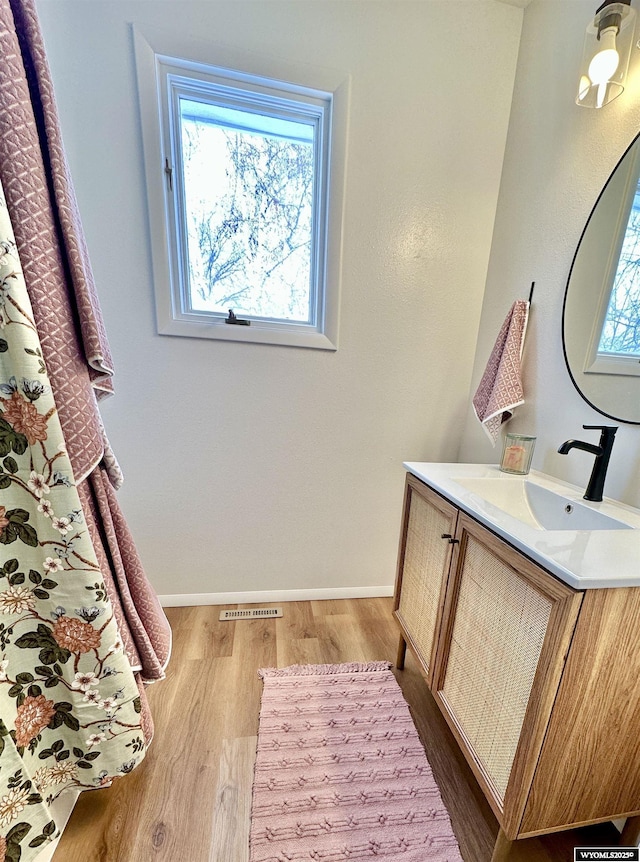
(620, 335)
(249, 172)
(614, 346)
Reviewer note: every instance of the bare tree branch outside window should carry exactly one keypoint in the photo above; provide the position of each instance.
(249, 208)
(621, 330)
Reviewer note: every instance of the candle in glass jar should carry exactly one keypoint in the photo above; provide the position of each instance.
(517, 453)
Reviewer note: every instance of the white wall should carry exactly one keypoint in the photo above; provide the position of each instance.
(265, 468)
(558, 157)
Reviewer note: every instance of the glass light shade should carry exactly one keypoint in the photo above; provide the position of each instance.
(605, 60)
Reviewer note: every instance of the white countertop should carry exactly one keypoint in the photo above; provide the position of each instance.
(584, 559)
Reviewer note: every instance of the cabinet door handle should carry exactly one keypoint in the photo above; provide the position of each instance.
(445, 536)
(454, 541)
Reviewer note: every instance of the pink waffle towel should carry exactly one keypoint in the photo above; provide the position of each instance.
(500, 390)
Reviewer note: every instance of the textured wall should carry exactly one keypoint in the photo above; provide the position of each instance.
(264, 468)
(558, 157)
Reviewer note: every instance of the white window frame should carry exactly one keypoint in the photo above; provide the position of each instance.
(161, 79)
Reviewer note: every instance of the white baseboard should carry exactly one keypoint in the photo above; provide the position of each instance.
(265, 596)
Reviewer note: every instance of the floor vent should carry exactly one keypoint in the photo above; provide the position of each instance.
(251, 614)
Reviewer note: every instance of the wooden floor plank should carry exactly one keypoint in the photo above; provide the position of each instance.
(304, 651)
(232, 808)
(298, 623)
(189, 800)
(207, 637)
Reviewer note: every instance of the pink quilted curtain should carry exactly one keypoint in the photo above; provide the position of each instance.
(49, 237)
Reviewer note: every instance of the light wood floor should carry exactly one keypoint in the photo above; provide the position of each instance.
(189, 801)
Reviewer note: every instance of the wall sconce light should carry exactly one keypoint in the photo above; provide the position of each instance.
(605, 58)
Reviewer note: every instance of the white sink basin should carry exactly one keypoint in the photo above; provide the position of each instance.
(538, 507)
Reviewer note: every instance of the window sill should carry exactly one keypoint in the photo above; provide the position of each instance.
(257, 333)
(623, 366)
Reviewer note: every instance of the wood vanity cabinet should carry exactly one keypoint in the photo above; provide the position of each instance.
(539, 683)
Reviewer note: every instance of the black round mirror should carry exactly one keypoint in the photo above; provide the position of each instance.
(601, 312)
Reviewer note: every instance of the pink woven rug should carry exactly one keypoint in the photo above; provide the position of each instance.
(341, 773)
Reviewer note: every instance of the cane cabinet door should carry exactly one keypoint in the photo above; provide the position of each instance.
(506, 629)
(423, 568)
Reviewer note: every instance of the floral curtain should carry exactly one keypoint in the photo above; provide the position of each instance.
(70, 711)
(48, 233)
(80, 626)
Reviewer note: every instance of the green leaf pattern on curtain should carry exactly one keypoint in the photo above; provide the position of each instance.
(69, 703)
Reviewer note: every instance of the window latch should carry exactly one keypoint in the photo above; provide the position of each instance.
(238, 321)
(168, 170)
